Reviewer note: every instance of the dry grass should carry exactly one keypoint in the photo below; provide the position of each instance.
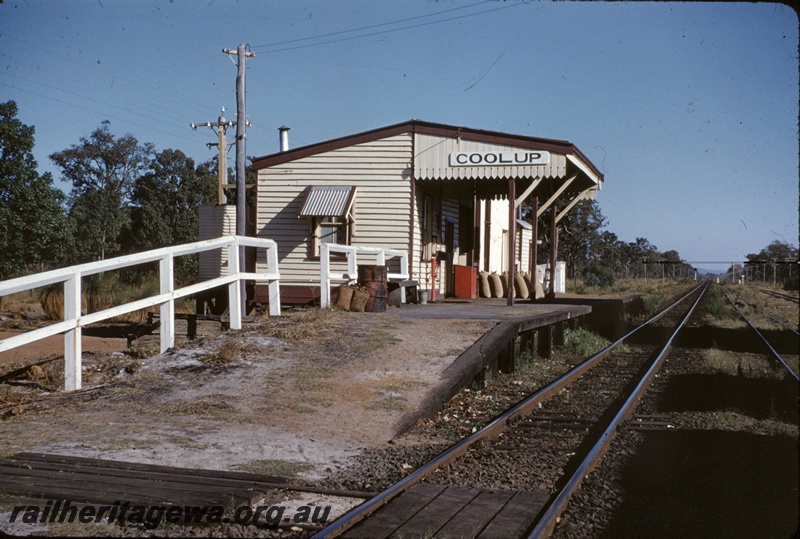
(749, 365)
(328, 333)
(300, 325)
(228, 352)
(100, 292)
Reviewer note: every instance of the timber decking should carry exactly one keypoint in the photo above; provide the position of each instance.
(431, 510)
(89, 480)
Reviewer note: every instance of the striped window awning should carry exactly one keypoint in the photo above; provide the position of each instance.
(327, 201)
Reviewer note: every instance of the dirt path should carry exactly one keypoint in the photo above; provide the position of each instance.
(304, 393)
(54, 346)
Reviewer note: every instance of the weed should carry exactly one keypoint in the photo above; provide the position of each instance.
(718, 307)
(651, 303)
(583, 343)
(523, 359)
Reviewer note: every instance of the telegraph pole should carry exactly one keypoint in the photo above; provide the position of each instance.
(241, 206)
(222, 167)
(241, 218)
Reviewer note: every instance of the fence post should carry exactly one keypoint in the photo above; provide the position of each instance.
(324, 276)
(352, 264)
(166, 273)
(72, 338)
(404, 271)
(234, 297)
(273, 285)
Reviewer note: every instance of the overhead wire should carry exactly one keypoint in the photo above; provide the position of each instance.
(179, 98)
(165, 111)
(169, 112)
(182, 100)
(150, 127)
(134, 111)
(331, 34)
(372, 34)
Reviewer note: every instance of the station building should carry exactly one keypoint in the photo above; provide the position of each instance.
(450, 196)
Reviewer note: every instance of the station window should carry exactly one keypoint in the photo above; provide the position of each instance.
(330, 229)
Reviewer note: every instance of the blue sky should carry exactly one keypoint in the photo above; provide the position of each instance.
(690, 109)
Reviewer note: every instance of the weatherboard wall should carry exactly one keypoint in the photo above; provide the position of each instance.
(215, 222)
(380, 171)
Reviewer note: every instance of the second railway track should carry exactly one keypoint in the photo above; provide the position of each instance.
(513, 477)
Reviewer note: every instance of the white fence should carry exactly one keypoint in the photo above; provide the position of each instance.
(543, 273)
(74, 320)
(352, 253)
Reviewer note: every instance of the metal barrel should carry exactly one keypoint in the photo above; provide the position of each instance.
(374, 278)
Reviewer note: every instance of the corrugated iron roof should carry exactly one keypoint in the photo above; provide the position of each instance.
(327, 201)
(421, 127)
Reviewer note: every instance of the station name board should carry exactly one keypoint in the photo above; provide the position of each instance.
(499, 159)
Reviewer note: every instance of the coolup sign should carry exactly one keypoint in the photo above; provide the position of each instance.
(499, 159)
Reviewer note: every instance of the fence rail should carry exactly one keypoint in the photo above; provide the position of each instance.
(74, 320)
(352, 252)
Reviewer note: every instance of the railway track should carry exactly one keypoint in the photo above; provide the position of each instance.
(711, 450)
(774, 319)
(514, 477)
(772, 350)
(778, 295)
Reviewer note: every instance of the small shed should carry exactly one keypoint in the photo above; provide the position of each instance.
(447, 195)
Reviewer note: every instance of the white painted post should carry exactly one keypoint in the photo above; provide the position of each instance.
(325, 276)
(352, 262)
(72, 338)
(404, 270)
(274, 286)
(166, 273)
(234, 297)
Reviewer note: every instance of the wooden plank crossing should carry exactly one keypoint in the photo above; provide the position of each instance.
(446, 511)
(89, 480)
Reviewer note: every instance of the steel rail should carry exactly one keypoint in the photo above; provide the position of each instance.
(772, 293)
(771, 349)
(490, 430)
(548, 520)
(790, 328)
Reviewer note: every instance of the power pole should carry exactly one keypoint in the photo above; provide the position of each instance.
(241, 206)
(222, 167)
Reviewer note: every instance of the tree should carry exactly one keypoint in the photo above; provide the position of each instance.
(165, 204)
(33, 228)
(102, 170)
(777, 258)
(578, 235)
